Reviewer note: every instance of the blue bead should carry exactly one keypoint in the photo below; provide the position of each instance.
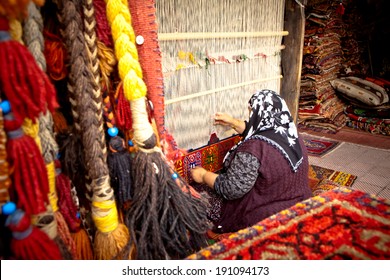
(78, 215)
(131, 144)
(8, 208)
(5, 107)
(175, 176)
(113, 131)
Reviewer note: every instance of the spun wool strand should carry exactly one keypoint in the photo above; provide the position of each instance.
(32, 35)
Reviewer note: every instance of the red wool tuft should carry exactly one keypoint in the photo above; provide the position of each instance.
(123, 111)
(65, 202)
(30, 243)
(30, 186)
(23, 82)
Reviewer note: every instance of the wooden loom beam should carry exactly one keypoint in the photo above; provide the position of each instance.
(219, 35)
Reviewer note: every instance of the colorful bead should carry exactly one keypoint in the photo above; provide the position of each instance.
(8, 208)
(5, 106)
(139, 40)
(113, 131)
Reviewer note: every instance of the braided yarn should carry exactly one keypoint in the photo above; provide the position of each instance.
(111, 236)
(32, 35)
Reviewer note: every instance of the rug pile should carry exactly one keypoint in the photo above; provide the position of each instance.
(338, 224)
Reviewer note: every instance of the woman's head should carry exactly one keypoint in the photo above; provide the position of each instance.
(270, 121)
(269, 111)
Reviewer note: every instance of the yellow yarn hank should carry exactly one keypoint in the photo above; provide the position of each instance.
(16, 30)
(130, 70)
(32, 129)
(51, 175)
(107, 62)
(105, 215)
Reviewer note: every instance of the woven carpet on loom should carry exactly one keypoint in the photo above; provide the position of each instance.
(338, 224)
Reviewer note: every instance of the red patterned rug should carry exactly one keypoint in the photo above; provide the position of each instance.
(338, 224)
(318, 147)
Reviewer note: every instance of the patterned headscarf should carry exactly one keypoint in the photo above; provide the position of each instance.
(270, 120)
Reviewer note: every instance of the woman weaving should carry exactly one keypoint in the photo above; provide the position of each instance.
(266, 172)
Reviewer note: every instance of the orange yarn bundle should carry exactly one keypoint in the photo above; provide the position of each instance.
(55, 54)
(14, 9)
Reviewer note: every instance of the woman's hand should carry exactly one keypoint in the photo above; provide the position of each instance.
(198, 173)
(223, 119)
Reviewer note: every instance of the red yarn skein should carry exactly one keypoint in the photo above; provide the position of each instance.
(23, 82)
(30, 186)
(28, 242)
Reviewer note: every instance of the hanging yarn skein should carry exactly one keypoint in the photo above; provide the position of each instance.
(25, 85)
(28, 242)
(164, 221)
(111, 236)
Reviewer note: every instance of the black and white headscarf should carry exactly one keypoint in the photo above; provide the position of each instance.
(270, 120)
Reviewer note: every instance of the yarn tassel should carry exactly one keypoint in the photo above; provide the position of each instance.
(83, 247)
(25, 158)
(119, 164)
(25, 85)
(62, 227)
(28, 242)
(47, 223)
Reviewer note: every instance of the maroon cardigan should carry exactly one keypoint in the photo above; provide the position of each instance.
(277, 188)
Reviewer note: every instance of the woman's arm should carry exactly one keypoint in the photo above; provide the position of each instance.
(202, 176)
(227, 120)
(240, 178)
